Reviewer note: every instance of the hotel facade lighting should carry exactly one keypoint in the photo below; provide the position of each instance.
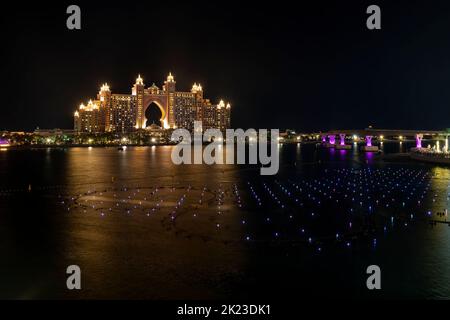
(126, 112)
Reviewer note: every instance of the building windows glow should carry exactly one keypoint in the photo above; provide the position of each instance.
(126, 112)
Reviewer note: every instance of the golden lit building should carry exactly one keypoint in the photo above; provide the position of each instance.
(90, 118)
(208, 115)
(222, 116)
(128, 112)
(122, 113)
(104, 96)
(76, 121)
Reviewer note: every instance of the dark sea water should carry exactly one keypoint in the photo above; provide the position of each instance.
(140, 227)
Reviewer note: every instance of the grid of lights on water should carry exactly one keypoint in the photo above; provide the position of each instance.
(340, 208)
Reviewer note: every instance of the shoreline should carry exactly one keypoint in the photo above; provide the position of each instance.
(429, 158)
(43, 146)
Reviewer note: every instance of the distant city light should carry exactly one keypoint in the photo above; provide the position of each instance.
(4, 143)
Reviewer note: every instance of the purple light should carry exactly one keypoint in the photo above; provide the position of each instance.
(332, 139)
(332, 151)
(324, 138)
(342, 137)
(369, 141)
(4, 142)
(419, 141)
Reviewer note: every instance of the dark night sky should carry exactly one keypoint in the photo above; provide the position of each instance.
(312, 67)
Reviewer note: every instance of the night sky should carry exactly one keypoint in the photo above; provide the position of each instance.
(312, 67)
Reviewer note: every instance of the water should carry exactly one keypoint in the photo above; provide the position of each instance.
(141, 227)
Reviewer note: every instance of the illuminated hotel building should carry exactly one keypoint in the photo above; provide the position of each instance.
(121, 113)
(127, 112)
(90, 118)
(222, 115)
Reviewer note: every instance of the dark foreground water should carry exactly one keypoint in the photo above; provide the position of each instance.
(140, 227)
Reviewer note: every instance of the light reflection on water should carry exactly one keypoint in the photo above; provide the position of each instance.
(136, 256)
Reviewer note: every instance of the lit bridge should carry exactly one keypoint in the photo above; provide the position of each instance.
(381, 134)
